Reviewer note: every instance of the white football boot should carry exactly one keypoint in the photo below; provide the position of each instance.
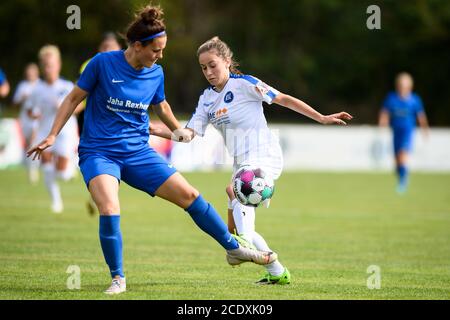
(246, 252)
(118, 285)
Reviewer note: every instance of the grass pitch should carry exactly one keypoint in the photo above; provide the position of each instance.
(326, 228)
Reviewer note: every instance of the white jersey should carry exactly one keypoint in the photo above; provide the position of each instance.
(21, 95)
(237, 112)
(44, 101)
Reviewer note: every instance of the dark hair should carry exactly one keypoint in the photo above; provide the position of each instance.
(223, 50)
(148, 21)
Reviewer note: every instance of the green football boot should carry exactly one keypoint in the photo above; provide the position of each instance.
(284, 278)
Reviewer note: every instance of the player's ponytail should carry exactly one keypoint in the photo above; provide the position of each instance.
(148, 24)
(223, 51)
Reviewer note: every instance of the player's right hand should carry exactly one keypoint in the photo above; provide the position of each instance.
(44, 144)
(182, 135)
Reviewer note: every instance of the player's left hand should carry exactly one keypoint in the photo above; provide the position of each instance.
(336, 118)
(44, 144)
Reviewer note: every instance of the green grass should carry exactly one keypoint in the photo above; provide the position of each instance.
(326, 228)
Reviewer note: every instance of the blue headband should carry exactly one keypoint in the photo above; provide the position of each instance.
(153, 36)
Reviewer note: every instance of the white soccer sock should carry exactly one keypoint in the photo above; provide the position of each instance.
(275, 268)
(244, 219)
(32, 169)
(65, 175)
(51, 184)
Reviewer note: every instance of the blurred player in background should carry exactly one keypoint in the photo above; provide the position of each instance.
(28, 125)
(233, 105)
(4, 87)
(400, 110)
(108, 43)
(43, 104)
(120, 86)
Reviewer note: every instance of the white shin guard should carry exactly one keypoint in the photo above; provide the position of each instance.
(50, 183)
(244, 220)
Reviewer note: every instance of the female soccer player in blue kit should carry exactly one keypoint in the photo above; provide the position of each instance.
(120, 86)
(400, 110)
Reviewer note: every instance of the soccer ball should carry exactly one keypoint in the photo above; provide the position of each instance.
(251, 186)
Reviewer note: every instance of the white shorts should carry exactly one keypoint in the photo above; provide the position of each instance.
(66, 142)
(269, 158)
(28, 126)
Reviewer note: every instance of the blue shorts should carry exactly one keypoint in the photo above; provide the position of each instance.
(145, 170)
(402, 139)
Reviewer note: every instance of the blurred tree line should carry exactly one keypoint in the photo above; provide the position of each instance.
(317, 50)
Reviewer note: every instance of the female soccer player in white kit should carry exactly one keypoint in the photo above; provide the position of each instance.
(44, 102)
(28, 125)
(233, 105)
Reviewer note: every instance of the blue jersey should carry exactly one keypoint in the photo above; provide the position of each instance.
(116, 118)
(403, 111)
(2, 77)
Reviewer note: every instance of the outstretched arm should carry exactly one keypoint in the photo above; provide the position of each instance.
(303, 108)
(173, 130)
(66, 109)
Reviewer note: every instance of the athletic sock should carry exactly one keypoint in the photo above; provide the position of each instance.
(207, 219)
(65, 175)
(51, 184)
(111, 242)
(275, 268)
(33, 170)
(402, 173)
(244, 220)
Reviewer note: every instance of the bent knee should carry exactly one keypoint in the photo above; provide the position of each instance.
(108, 209)
(190, 195)
(229, 191)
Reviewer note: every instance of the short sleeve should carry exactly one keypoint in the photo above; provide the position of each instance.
(260, 90)
(159, 94)
(199, 120)
(2, 77)
(31, 102)
(18, 94)
(67, 89)
(386, 106)
(89, 76)
(418, 105)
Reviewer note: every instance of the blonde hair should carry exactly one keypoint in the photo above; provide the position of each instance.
(223, 51)
(49, 49)
(404, 75)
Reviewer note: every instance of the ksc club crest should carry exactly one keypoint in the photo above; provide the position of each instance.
(228, 97)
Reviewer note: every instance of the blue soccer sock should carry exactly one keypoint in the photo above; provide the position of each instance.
(111, 242)
(207, 218)
(402, 173)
